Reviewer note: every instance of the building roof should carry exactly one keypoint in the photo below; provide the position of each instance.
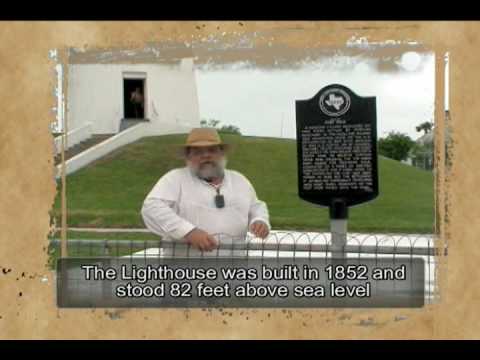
(148, 55)
(257, 50)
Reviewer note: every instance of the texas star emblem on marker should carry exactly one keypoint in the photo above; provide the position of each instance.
(335, 101)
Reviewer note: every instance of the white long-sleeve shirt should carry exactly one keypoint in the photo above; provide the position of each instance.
(180, 202)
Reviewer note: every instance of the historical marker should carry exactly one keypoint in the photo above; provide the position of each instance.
(337, 149)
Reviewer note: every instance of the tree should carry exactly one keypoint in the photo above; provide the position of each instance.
(230, 129)
(395, 146)
(426, 127)
(209, 123)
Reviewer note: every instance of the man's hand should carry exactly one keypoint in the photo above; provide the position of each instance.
(201, 240)
(259, 229)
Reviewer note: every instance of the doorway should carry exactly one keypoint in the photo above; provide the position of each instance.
(134, 98)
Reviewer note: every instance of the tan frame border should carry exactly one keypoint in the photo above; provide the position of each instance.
(34, 315)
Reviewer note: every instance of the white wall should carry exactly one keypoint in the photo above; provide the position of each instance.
(95, 94)
(74, 137)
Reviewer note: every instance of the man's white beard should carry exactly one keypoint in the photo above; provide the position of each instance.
(208, 171)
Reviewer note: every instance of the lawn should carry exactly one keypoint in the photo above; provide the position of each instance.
(110, 191)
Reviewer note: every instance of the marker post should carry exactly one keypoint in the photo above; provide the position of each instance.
(338, 227)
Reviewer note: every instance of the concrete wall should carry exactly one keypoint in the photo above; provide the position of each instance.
(74, 137)
(95, 152)
(95, 95)
(127, 136)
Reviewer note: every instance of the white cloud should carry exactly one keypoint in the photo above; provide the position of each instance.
(256, 100)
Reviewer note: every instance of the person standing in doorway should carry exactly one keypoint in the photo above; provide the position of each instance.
(136, 98)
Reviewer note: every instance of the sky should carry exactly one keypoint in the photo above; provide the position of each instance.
(258, 101)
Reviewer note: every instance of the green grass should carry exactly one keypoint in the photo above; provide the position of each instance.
(110, 191)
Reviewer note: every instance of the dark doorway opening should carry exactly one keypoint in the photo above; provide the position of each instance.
(133, 98)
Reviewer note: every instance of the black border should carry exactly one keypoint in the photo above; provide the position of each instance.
(334, 10)
(229, 349)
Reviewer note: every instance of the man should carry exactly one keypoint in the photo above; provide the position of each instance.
(136, 98)
(204, 199)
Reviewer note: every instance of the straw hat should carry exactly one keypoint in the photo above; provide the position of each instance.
(202, 137)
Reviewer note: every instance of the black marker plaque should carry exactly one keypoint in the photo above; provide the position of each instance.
(336, 148)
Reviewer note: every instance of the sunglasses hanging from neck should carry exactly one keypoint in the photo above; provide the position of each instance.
(219, 199)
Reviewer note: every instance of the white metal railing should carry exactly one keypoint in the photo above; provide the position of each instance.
(74, 137)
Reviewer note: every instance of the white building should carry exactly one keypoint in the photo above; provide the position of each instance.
(100, 84)
(99, 92)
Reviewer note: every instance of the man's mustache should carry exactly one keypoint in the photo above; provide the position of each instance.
(208, 163)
